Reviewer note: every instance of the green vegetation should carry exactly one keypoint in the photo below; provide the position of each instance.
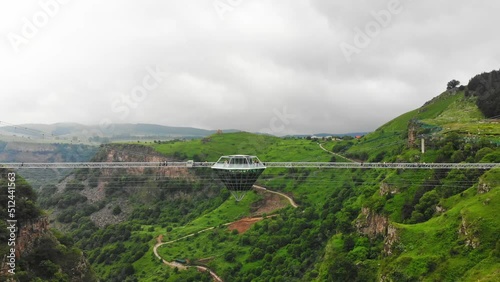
(325, 238)
(334, 201)
(47, 255)
(485, 87)
(228, 211)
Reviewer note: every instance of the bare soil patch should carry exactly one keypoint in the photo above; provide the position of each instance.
(243, 224)
(270, 203)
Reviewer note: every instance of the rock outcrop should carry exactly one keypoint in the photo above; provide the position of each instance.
(373, 224)
(26, 237)
(386, 189)
(469, 231)
(29, 232)
(390, 239)
(483, 187)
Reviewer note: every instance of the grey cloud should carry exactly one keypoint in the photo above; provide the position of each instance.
(236, 73)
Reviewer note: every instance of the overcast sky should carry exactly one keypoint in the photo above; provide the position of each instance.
(284, 67)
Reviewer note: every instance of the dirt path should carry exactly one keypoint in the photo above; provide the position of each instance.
(292, 202)
(174, 264)
(339, 155)
(242, 223)
(171, 264)
(335, 154)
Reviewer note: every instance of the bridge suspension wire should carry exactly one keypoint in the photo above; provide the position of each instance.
(190, 164)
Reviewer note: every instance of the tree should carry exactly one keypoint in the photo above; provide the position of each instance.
(425, 208)
(230, 256)
(117, 210)
(452, 84)
(47, 268)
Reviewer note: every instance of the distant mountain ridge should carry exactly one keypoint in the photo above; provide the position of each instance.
(96, 133)
(352, 134)
(123, 131)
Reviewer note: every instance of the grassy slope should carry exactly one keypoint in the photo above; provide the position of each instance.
(448, 112)
(393, 134)
(425, 246)
(229, 211)
(433, 250)
(436, 248)
(267, 148)
(150, 268)
(214, 243)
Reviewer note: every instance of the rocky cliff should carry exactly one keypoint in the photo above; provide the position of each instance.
(29, 233)
(373, 224)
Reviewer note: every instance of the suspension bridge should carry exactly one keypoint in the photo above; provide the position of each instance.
(191, 164)
(240, 172)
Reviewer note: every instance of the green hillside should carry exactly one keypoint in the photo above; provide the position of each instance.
(427, 245)
(313, 237)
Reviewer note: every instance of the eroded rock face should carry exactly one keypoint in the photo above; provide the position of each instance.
(29, 232)
(390, 239)
(96, 192)
(483, 188)
(373, 224)
(386, 189)
(468, 230)
(27, 235)
(28, 239)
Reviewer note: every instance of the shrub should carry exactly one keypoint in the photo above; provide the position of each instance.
(117, 210)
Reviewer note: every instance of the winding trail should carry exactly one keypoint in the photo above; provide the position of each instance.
(292, 202)
(159, 242)
(335, 154)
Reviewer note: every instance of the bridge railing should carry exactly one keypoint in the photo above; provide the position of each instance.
(190, 164)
